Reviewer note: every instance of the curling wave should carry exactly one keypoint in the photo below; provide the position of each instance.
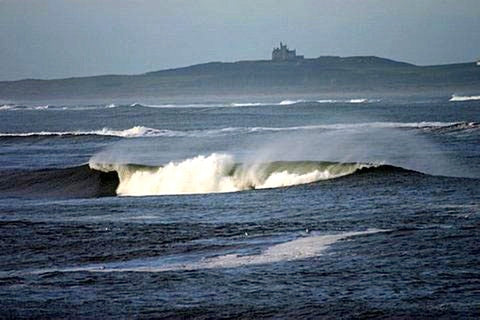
(220, 173)
(202, 174)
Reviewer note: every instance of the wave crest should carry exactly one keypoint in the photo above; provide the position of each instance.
(13, 107)
(142, 131)
(134, 132)
(220, 173)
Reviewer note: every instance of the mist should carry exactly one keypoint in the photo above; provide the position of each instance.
(404, 148)
(55, 39)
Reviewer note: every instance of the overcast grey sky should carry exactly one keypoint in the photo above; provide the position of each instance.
(62, 38)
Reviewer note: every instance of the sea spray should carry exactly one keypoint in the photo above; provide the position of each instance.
(220, 173)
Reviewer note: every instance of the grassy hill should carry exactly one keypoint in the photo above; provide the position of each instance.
(321, 75)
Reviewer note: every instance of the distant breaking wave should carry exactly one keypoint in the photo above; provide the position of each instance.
(13, 107)
(17, 107)
(248, 104)
(203, 105)
(141, 131)
(137, 131)
(253, 104)
(7, 107)
(456, 98)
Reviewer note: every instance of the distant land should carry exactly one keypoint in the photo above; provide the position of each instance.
(324, 75)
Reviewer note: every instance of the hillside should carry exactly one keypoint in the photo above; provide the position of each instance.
(321, 75)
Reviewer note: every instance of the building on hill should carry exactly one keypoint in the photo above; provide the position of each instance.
(283, 54)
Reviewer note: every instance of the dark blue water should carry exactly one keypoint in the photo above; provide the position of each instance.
(375, 210)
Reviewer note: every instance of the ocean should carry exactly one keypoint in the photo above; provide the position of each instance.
(301, 208)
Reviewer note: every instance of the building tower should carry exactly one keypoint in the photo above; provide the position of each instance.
(283, 54)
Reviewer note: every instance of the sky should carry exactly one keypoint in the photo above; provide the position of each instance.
(47, 39)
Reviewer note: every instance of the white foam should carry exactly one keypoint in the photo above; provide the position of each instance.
(286, 179)
(289, 102)
(170, 105)
(196, 175)
(327, 101)
(214, 174)
(212, 105)
(300, 248)
(357, 100)
(249, 104)
(463, 98)
(137, 131)
(7, 107)
(41, 107)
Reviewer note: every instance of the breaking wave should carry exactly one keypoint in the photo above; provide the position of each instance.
(360, 100)
(7, 107)
(173, 105)
(19, 107)
(357, 100)
(141, 131)
(248, 104)
(137, 131)
(289, 102)
(456, 98)
(220, 173)
(215, 173)
(254, 104)
(13, 107)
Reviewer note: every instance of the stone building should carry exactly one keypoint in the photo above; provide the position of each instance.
(283, 54)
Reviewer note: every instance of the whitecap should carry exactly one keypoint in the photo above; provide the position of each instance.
(456, 98)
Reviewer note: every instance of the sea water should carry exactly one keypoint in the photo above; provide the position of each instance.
(290, 208)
